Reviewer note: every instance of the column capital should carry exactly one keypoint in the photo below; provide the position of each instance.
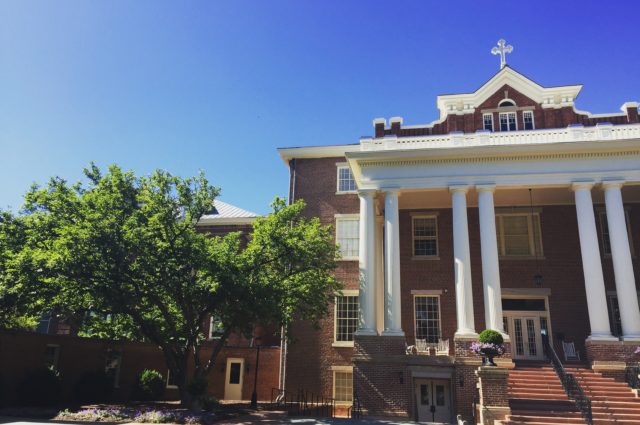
(582, 185)
(391, 190)
(486, 187)
(464, 188)
(612, 184)
(366, 193)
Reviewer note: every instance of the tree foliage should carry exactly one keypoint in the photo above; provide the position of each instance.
(127, 248)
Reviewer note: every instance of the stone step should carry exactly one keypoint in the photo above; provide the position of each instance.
(545, 419)
(530, 395)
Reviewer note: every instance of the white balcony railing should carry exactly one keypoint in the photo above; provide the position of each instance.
(573, 133)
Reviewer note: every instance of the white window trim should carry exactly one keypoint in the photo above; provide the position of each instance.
(167, 381)
(601, 217)
(415, 318)
(515, 114)
(533, 120)
(344, 293)
(341, 369)
(531, 233)
(490, 115)
(211, 336)
(507, 99)
(413, 238)
(342, 166)
(339, 217)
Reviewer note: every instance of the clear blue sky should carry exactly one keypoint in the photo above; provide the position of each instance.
(219, 85)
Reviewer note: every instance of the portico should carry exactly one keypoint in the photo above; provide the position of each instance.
(393, 178)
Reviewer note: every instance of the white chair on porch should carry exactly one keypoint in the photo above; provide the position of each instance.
(442, 349)
(570, 352)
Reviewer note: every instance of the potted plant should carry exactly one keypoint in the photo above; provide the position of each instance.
(489, 345)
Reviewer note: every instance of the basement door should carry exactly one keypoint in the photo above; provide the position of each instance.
(433, 400)
(233, 380)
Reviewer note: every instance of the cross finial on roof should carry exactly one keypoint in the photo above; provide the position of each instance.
(502, 49)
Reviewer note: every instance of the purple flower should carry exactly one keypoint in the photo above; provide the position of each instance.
(637, 350)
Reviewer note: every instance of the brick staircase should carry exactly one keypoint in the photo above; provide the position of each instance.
(612, 402)
(536, 396)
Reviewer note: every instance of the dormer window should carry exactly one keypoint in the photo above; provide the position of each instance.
(487, 121)
(508, 121)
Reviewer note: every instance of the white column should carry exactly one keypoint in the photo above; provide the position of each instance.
(462, 263)
(379, 274)
(367, 253)
(621, 257)
(392, 310)
(490, 264)
(591, 263)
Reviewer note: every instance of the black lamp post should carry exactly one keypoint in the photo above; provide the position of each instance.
(254, 395)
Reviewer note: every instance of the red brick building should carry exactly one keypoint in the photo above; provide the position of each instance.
(514, 211)
(232, 378)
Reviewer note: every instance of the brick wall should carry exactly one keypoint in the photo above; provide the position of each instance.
(21, 352)
(312, 355)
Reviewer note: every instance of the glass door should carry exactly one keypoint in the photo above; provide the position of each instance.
(526, 338)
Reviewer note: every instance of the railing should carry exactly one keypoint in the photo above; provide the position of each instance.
(632, 376)
(302, 403)
(355, 411)
(569, 382)
(572, 133)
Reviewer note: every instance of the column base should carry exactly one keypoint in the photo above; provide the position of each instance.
(465, 334)
(392, 332)
(366, 332)
(602, 338)
(632, 338)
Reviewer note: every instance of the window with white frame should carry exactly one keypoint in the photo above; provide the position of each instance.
(425, 236)
(346, 317)
(346, 182)
(343, 386)
(487, 121)
(171, 382)
(508, 121)
(427, 317)
(604, 232)
(215, 329)
(519, 234)
(527, 119)
(348, 235)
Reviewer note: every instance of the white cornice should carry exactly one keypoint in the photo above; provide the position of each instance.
(286, 154)
(226, 221)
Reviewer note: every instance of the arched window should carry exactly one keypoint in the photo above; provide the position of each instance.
(506, 102)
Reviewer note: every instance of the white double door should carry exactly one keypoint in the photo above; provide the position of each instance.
(525, 333)
(433, 400)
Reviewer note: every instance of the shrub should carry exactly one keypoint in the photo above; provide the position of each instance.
(93, 387)
(150, 385)
(489, 336)
(40, 387)
(209, 403)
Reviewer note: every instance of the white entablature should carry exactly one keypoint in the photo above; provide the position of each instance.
(548, 97)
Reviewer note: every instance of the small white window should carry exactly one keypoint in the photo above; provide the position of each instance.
(527, 118)
(506, 102)
(343, 386)
(604, 233)
(348, 235)
(425, 236)
(346, 318)
(346, 182)
(519, 234)
(487, 121)
(427, 317)
(508, 121)
(215, 329)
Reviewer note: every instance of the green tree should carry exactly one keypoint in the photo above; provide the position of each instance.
(129, 247)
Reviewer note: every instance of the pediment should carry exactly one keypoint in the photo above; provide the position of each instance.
(544, 96)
